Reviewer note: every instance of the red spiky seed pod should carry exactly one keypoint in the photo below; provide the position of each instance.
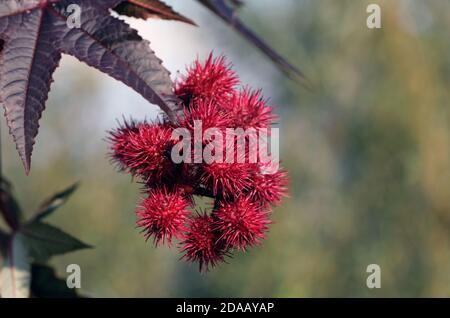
(241, 223)
(241, 189)
(228, 180)
(212, 79)
(143, 149)
(163, 215)
(119, 138)
(249, 110)
(205, 111)
(269, 188)
(200, 244)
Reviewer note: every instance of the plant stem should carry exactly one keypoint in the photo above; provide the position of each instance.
(1, 162)
(205, 193)
(2, 196)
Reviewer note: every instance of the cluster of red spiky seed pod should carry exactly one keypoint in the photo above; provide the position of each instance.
(242, 194)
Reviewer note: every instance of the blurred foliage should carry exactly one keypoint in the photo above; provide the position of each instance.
(368, 152)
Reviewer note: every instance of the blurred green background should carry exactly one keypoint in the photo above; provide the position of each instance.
(368, 152)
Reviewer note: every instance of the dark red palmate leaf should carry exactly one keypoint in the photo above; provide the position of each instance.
(145, 9)
(34, 34)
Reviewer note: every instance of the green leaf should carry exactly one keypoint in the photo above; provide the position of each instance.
(45, 284)
(44, 241)
(5, 184)
(9, 208)
(15, 276)
(54, 202)
(4, 239)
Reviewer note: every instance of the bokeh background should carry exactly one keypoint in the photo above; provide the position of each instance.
(368, 151)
